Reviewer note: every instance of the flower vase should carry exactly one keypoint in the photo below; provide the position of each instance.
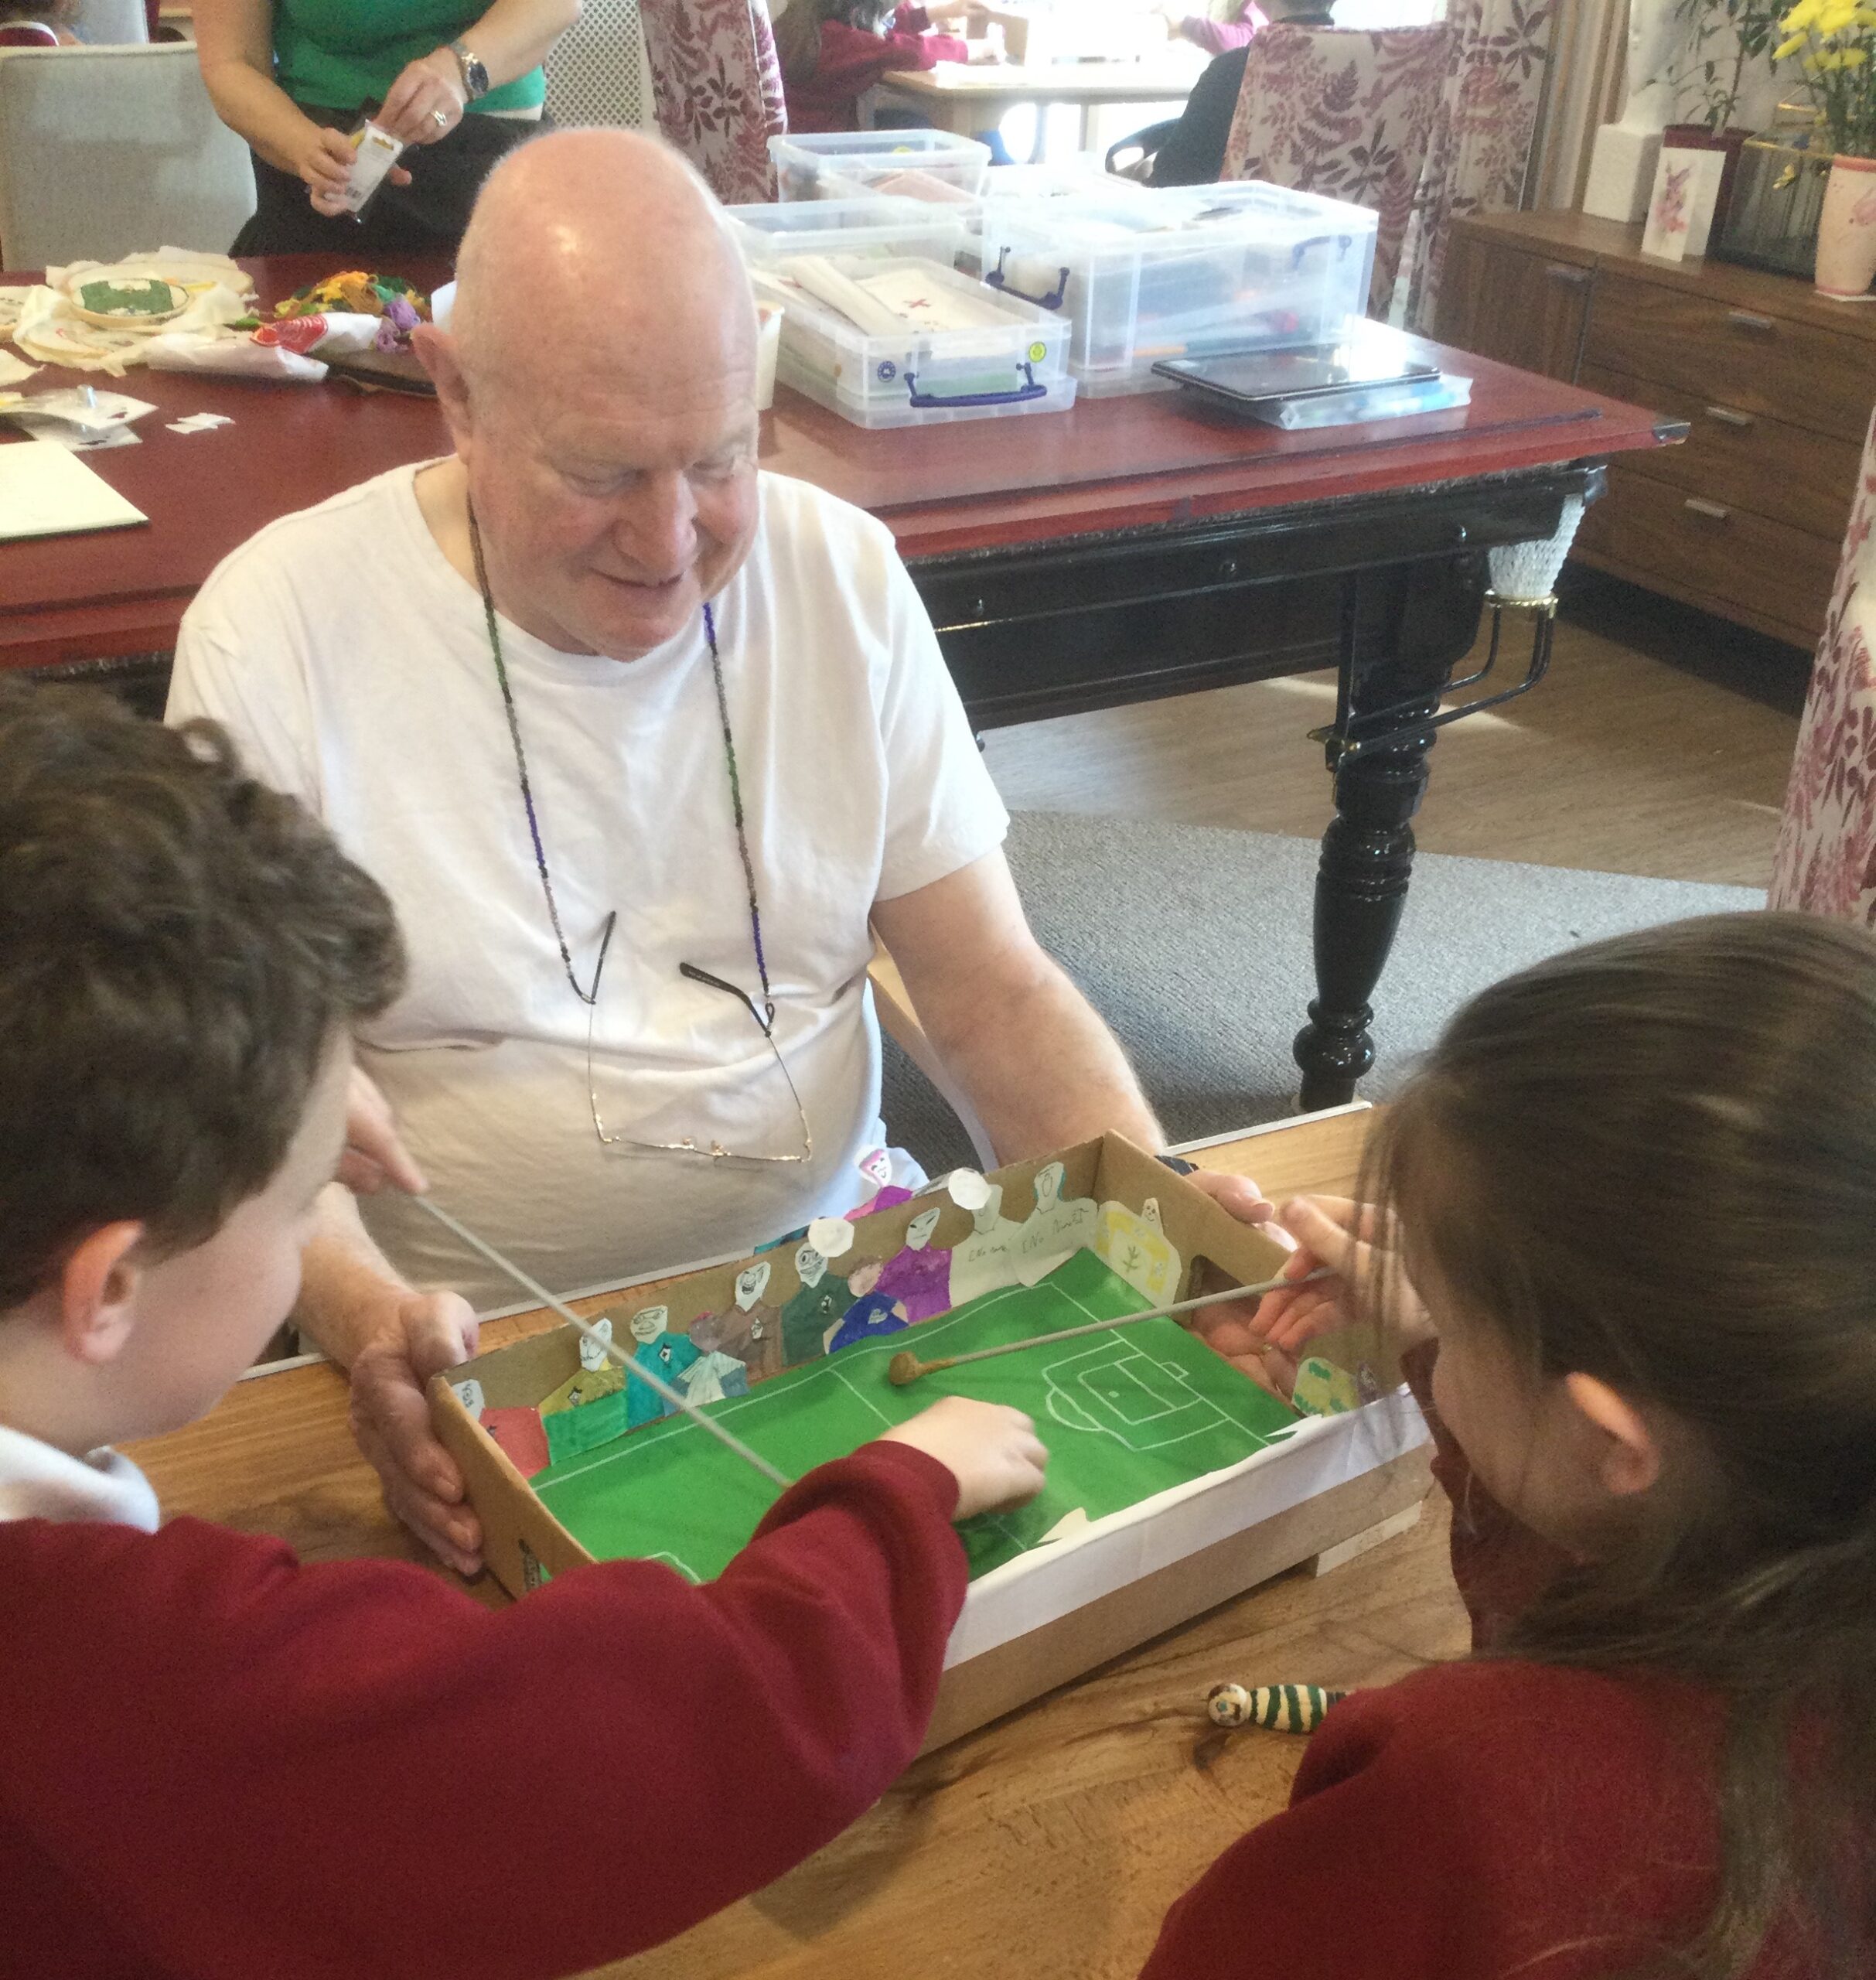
(1847, 228)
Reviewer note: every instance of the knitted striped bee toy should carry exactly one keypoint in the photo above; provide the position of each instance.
(1282, 1708)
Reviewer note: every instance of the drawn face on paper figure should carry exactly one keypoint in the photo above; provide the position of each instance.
(876, 1166)
(864, 1277)
(809, 1263)
(992, 1209)
(919, 1231)
(1049, 1185)
(1149, 1214)
(470, 1395)
(649, 1322)
(592, 1352)
(752, 1283)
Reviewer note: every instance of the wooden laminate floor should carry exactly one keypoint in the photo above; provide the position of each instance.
(1658, 744)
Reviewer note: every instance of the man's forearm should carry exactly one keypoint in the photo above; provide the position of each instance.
(347, 1285)
(1041, 1070)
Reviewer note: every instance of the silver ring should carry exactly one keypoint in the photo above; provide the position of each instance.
(442, 119)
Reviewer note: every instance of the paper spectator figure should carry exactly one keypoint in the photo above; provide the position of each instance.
(873, 1313)
(470, 1395)
(876, 1166)
(1055, 1229)
(919, 1277)
(986, 1261)
(599, 1374)
(819, 1305)
(521, 1436)
(666, 1353)
(714, 1374)
(1132, 1244)
(753, 1327)
(832, 1237)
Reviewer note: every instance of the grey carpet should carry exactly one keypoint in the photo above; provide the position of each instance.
(1194, 945)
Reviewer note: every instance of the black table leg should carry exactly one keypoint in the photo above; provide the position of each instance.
(1403, 630)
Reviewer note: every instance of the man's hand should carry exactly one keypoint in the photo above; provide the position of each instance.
(373, 1153)
(992, 1452)
(423, 1334)
(1238, 1195)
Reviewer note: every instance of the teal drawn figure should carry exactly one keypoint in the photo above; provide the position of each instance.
(714, 1374)
(665, 1354)
(818, 1306)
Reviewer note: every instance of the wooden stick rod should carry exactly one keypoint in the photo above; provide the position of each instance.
(635, 1370)
(906, 1366)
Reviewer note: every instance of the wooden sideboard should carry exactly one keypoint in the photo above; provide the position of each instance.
(1776, 384)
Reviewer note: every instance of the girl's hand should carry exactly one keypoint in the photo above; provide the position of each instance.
(427, 100)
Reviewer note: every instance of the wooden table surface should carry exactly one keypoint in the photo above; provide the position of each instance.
(1146, 462)
(1065, 1829)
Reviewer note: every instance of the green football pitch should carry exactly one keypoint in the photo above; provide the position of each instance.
(1125, 1415)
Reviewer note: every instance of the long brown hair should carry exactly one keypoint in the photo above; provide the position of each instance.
(1653, 1160)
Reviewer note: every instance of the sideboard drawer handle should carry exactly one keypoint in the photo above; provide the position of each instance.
(1561, 271)
(1744, 319)
(1713, 511)
(1727, 416)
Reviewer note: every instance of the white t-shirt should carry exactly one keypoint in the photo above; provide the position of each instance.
(352, 663)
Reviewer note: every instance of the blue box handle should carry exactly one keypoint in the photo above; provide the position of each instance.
(1340, 242)
(1029, 389)
(996, 279)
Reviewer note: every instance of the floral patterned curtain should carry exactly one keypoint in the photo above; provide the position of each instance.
(1481, 136)
(716, 88)
(1827, 855)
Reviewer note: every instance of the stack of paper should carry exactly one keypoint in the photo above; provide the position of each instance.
(44, 491)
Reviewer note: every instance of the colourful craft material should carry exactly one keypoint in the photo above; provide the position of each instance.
(1322, 1389)
(521, 1436)
(1280, 1708)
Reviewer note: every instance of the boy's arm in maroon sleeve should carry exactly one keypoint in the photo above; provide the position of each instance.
(263, 1767)
(852, 61)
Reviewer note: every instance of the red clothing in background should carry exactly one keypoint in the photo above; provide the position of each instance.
(217, 1762)
(851, 61)
(1467, 1822)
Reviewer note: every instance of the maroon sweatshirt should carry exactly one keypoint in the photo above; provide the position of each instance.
(852, 61)
(218, 1762)
(1477, 1822)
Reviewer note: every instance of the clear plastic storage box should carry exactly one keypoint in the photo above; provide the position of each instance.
(1013, 359)
(1185, 272)
(869, 225)
(929, 165)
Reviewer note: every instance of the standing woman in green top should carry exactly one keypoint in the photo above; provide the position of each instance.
(458, 85)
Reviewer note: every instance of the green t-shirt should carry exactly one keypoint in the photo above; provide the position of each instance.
(336, 54)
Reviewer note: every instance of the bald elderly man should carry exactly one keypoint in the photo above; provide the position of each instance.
(638, 739)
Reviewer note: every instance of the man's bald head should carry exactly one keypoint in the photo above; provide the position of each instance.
(597, 238)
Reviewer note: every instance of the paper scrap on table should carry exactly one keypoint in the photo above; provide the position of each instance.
(200, 422)
(12, 372)
(80, 419)
(45, 492)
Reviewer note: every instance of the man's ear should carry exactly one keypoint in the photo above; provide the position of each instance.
(98, 1293)
(1629, 1453)
(436, 350)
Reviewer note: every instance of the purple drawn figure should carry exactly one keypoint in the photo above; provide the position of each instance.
(919, 1277)
(872, 1313)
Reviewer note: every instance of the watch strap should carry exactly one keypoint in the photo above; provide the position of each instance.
(474, 71)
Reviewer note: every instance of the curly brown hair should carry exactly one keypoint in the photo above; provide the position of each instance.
(178, 946)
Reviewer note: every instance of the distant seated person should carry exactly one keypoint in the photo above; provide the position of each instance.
(43, 23)
(460, 86)
(1193, 153)
(833, 52)
(1242, 19)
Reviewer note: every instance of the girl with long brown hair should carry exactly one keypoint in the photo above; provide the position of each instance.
(1625, 1218)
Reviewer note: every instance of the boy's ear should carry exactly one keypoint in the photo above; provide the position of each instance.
(98, 1292)
(1629, 1459)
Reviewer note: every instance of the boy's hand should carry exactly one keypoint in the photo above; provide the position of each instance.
(993, 1452)
(391, 1418)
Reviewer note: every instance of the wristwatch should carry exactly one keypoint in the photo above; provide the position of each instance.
(475, 71)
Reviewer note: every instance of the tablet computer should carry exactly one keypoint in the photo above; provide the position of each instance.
(1256, 377)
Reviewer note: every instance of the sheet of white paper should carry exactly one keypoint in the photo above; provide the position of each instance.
(44, 491)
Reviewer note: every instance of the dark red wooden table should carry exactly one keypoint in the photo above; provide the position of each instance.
(1130, 548)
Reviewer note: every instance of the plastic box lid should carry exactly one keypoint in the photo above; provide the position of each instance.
(946, 164)
(873, 225)
(1015, 360)
(1183, 272)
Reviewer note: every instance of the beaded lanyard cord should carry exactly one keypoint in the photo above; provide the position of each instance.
(590, 997)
